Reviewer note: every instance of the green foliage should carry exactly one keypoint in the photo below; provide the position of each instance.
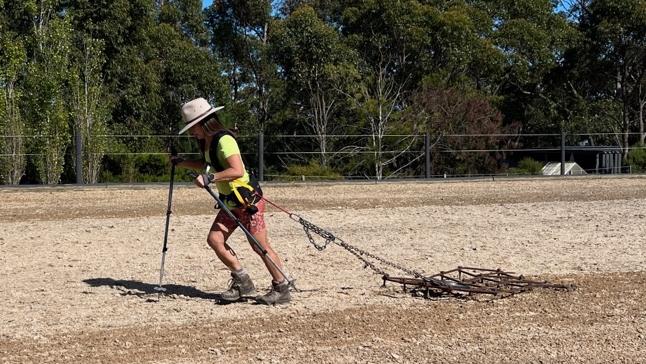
(90, 105)
(316, 67)
(187, 72)
(240, 38)
(527, 166)
(12, 125)
(150, 167)
(47, 76)
(187, 17)
(637, 159)
(311, 171)
(135, 169)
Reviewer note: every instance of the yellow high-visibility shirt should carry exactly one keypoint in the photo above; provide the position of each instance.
(227, 146)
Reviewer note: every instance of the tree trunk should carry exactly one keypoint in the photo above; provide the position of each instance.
(14, 129)
(626, 131)
(642, 103)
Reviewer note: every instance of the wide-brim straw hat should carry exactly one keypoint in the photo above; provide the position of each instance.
(195, 111)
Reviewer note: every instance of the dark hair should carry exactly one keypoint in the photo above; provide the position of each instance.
(213, 124)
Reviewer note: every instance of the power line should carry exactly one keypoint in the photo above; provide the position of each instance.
(287, 136)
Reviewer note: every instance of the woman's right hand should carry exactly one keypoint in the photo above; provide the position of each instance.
(203, 180)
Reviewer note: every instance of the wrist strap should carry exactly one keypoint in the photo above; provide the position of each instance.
(208, 178)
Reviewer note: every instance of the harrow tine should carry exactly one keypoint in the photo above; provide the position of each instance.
(478, 281)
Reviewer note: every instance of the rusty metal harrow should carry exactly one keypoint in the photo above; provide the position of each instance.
(464, 282)
(471, 283)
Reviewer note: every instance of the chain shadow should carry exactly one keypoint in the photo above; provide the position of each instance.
(142, 289)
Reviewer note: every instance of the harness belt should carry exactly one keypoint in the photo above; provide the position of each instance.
(244, 195)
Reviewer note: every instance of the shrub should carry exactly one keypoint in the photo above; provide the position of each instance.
(136, 168)
(527, 166)
(637, 159)
(312, 170)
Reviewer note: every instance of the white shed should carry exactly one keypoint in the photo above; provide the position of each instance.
(571, 169)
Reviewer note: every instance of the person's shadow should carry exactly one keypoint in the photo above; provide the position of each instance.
(141, 289)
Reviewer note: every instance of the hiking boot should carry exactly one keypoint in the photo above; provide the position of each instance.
(279, 294)
(240, 287)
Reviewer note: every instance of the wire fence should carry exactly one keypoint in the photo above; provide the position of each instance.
(367, 156)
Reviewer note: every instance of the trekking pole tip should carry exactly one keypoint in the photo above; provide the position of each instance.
(292, 283)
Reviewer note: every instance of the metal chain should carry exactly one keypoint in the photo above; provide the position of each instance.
(310, 228)
(359, 252)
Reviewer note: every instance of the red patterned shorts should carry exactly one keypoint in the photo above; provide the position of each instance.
(254, 223)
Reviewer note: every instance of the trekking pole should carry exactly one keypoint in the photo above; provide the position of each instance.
(159, 288)
(247, 232)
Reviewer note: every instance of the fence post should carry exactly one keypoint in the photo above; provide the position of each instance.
(79, 157)
(261, 157)
(618, 162)
(596, 164)
(427, 152)
(562, 151)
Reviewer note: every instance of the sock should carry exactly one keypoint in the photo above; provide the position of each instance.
(284, 281)
(240, 272)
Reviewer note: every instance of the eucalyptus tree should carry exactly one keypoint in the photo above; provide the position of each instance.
(328, 10)
(456, 111)
(45, 89)
(13, 58)
(317, 67)
(90, 106)
(131, 71)
(389, 38)
(532, 38)
(187, 68)
(239, 33)
(614, 54)
(188, 18)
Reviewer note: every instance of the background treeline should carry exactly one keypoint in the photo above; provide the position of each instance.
(81, 76)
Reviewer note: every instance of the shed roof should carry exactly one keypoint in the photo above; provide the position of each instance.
(554, 169)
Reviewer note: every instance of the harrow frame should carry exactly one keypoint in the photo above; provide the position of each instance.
(468, 282)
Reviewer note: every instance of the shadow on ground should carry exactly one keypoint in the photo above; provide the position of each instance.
(141, 289)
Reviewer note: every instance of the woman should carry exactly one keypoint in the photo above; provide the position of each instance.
(223, 166)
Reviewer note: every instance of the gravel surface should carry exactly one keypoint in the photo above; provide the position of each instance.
(78, 267)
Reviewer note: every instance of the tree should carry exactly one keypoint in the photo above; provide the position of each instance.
(13, 58)
(155, 59)
(327, 10)
(615, 32)
(533, 40)
(90, 106)
(186, 72)
(46, 80)
(388, 37)
(317, 67)
(641, 99)
(240, 38)
(187, 17)
(132, 76)
(450, 111)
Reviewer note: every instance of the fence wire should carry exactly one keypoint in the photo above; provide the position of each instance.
(279, 151)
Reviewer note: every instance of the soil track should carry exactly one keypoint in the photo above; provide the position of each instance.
(78, 268)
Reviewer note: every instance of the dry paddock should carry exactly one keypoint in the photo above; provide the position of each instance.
(78, 267)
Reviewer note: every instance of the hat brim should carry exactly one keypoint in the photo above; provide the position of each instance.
(198, 120)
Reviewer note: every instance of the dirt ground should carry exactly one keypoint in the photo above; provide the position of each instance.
(78, 267)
